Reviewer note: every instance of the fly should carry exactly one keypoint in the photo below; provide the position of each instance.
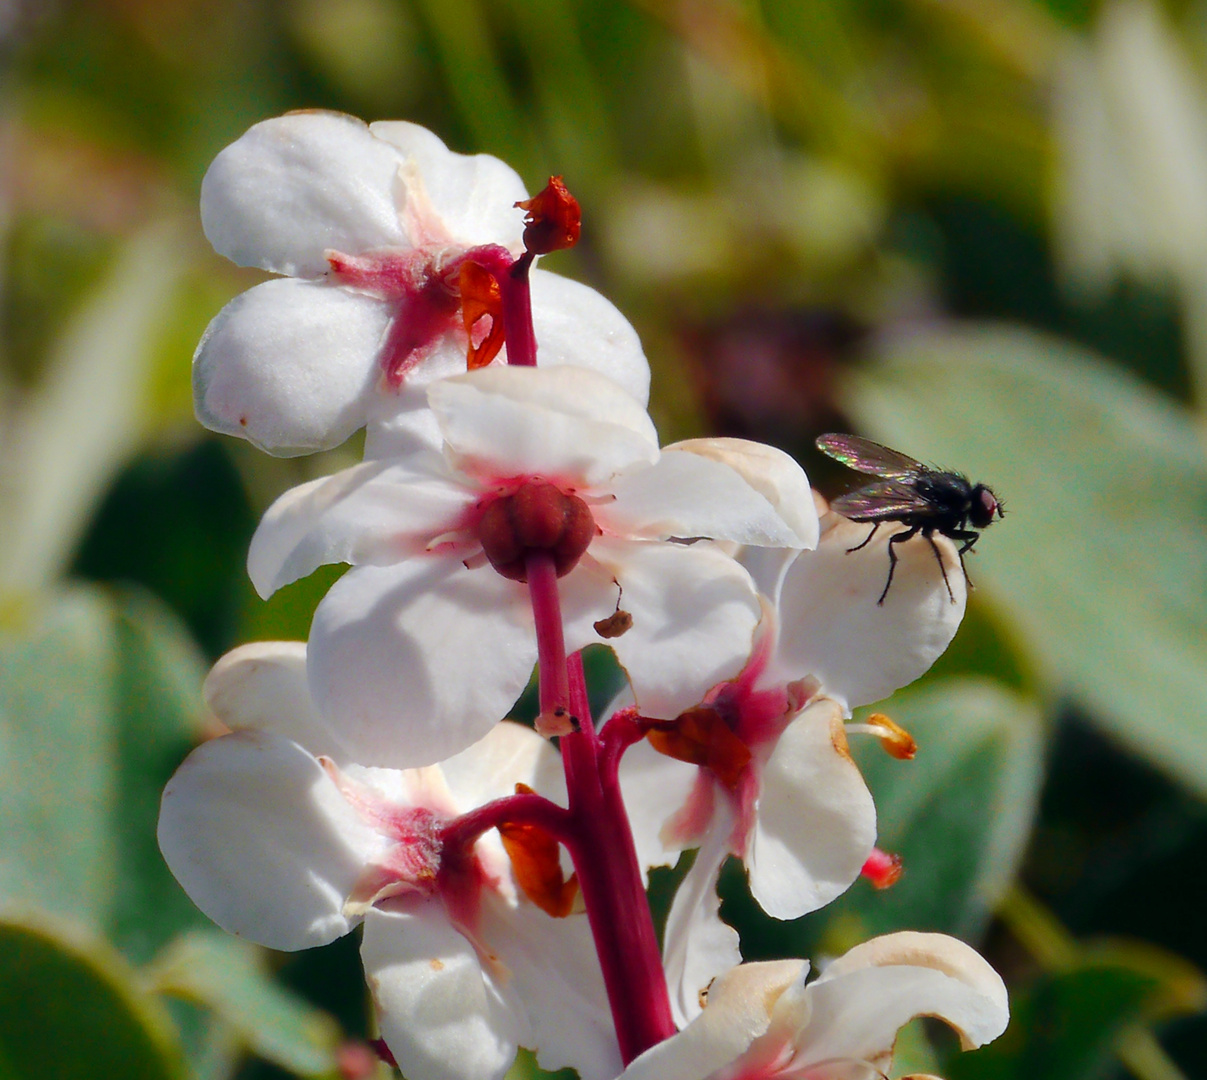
(926, 500)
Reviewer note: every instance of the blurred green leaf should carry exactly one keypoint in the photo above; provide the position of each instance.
(230, 977)
(71, 1009)
(99, 702)
(960, 813)
(87, 414)
(1102, 561)
(1063, 1026)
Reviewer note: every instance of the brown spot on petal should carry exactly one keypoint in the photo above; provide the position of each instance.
(436, 965)
(838, 738)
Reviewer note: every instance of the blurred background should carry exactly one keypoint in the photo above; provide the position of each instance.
(973, 229)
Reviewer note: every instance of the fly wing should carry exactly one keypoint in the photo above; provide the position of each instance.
(881, 502)
(869, 457)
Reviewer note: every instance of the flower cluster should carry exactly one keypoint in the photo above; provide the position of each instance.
(513, 507)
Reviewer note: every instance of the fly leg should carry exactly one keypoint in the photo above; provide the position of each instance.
(943, 569)
(969, 537)
(896, 538)
(859, 547)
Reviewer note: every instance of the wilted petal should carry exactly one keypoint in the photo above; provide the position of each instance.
(833, 628)
(414, 662)
(694, 613)
(262, 840)
(739, 1006)
(293, 186)
(373, 513)
(772, 473)
(699, 946)
(560, 423)
(472, 195)
(688, 495)
(262, 686)
(441, 1015)
(579, 327)
(816, 823)
(290, 365)
(863, 998)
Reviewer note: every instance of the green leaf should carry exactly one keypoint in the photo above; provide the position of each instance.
(1101, 562)
(71, 1008)
(99, 702)
(230, 977)
(1063, 1026)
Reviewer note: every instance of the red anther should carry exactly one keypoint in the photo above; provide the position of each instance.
(481, 298)
(882, 869)
(383, 1052)
(553, 220)
(537, 517)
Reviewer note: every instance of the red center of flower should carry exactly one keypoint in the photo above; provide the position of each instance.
(536, 517)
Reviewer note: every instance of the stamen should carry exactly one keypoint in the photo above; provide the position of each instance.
(893, 737)
(882, 869)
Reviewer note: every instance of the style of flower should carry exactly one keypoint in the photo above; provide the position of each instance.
(281, 843)
(380, 231)
(765, 1022)
(416, 651)
(761, 768)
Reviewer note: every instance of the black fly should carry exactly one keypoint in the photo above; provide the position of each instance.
(926, 500)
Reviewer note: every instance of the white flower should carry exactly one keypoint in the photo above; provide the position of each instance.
(371, 225)
(418, 650)
(293, 850)
(782, 792)
(763, 1021)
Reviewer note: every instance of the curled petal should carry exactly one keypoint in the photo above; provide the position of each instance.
(293, 186)
(688, 495)
(579, 327)
(738, 1012)
(472, 195)
(561, 423)
(394, 669)
(772, 473)
(262, 840)
(262, 687)
(290, 365)
(816, 823)
(694, 613)
(441, 1015)
(863, 998)
(373, 513)
(699, 946)
(833, 628)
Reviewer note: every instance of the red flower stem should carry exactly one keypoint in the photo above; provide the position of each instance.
(518, 330)
(526, 808)
(599, 838)
(554, 687)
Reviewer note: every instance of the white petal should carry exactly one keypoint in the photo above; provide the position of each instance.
(296, 185)
(565, 424)
(507, 755)
(290, 365)
(262, 840)
(687, 495)
(694, 613)
(400, 422)
(772, 473)
(864, 997)
(699, 946)
(816, 823)
(578, 326)
(473, 196)
(413, 663)
(262, 686)
(440, 1015)
(654, 787)
(378, 512)
(833, 628)
(554, 971)
(739, 1005)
